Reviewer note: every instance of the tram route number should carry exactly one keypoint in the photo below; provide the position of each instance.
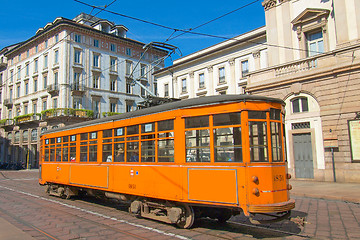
(278, 178)
(132, 186)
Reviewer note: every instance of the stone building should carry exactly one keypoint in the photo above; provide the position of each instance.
(69, 71)
(309, 56)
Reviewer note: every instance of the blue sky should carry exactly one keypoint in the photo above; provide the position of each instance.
(21, 19)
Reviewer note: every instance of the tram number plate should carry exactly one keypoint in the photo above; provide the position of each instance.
(278, 178)
(132, 186)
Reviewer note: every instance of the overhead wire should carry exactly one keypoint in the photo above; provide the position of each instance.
(205, 34)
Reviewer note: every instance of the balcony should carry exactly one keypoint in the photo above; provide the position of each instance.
(53, 89)
(7, 124)
(3, 66)
(77, 89)
(57, 113)
(8, 102)
(28, 119)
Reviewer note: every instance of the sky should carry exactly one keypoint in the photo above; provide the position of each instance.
(20, 19)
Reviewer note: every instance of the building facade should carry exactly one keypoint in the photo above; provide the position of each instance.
(70, 71)
(309, 57)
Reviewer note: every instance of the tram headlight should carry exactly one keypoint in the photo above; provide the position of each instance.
(289, 187)
(255, 179)
(288, 176)
(256, 192)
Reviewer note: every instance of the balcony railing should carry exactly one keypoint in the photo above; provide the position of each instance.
(27, 118)
(6, 122)
(8, 102)
(296, 67)
(66, 112)
(78, 89)
(53, 89)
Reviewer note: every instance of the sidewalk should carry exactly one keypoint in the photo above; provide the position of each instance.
(10, 232)
(349, 192)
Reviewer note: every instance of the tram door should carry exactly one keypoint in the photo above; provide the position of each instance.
(304, 167)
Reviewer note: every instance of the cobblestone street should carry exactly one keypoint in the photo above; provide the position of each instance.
(28, 208)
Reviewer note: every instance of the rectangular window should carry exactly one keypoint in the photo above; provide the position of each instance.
(57, 38)
(143, 71)
(45, 81)
(56, 57)
(55, 105)
(96, 58)
(128, 51)
(113, 47)
(201, 80)
(45, 61)
(26, 88)
(166, 141)
(18, 91)
(244, 68)
(197, 145)
(183, 85)
(36, 66)
(96, 81)
(166, 90)
(113, 107)
(258, 142)
(27, 69)
(46, 43)
(19, 73)
(197, 122)
(107, 153)
(78, 38)
(128, 67)
(276, 145)
(44, 105)
(11, 75)
(112, 84)
(113, 66)
(315, 43)
(96, 43)
(34, 108)
(77, 56)
(221, 75)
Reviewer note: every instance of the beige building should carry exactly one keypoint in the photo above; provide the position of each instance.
(309, 56)
(69, 71)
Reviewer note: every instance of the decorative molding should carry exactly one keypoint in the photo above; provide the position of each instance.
(256, 54)
(231, 61)
(268, 4)
(210, 68)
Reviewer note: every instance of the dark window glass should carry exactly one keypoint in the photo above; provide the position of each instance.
(165, 150)
(72, 154)
(296, 105)
(132, 130)
(58, 154)
(66, 139)
(93, 153)
(197, 145)
(276, 145)
(65, 154)
(147, 127)
(107, 153)
(227, 119)
(52, 140)
(73, 138)
(195, 122)
(148, 151)
(84, 136)
(304, 104)
(83, 153)
(119, 152)
(256, 115)
(132, 152)
(227, 144)
(107, 133)
(166, 125)
(258, 142)
(275, 114)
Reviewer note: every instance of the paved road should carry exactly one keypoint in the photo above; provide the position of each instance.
(25, 205)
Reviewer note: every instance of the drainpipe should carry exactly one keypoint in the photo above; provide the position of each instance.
(333, 163)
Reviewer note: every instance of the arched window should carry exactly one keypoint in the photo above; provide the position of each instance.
(43, 129)
(25, 136)
(17, 137)
(54, 127)
(34, 134)
(300, 105)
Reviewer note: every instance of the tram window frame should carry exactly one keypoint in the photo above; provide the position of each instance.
(165, 141)
(132, 144)
(232, 152)
(197, 130)
(257, 115)
(276, 141)
(148, 142)
(263, 149)
(65, 152)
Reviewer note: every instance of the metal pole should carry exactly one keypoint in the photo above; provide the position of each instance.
(333, 163)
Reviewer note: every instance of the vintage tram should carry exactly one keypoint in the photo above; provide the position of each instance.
(213, 156)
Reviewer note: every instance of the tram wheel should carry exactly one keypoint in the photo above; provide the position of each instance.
(187, 220)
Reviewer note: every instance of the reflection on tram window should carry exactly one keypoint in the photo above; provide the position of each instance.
(276, 144)
(227, 119)
(227, 144)
(198, 145)
(258, 142)
(256, 115)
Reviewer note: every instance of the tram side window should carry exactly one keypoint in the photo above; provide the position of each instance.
(47, 156)
(132, 144)
(107, 146)
(166, 141)
(148, 142)
(276, 145)
(58, 149)
(93, 147)
(227, 140)
(119, 145)
(52, 150)
(258, 142)
(72, 148)
(197, 140)
(65, 150)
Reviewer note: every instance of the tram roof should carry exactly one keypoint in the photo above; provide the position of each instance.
(183, 104)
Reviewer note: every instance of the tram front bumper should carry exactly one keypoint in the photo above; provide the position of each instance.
(272, 208)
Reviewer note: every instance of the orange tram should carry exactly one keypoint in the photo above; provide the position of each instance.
(213, 157)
